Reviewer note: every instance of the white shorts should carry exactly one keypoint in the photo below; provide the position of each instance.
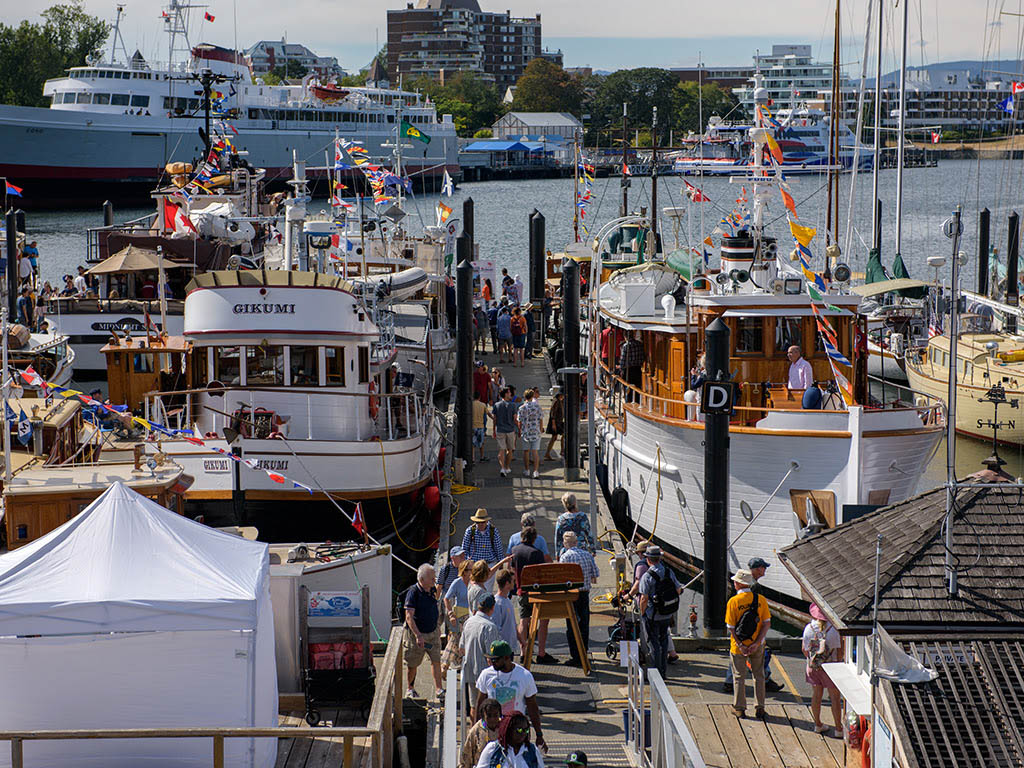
(531, 445)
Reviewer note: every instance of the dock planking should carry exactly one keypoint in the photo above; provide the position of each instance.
(785, 739)
(318, 752)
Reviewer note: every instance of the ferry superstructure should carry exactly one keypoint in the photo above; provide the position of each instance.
(127, 120)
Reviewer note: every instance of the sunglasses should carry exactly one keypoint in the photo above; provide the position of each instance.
(521, 730)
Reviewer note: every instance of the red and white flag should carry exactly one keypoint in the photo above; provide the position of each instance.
(626, 171)
(358, 522)
(175, 219)
(695, 194)
(1017, 88)
(32, 378)
(936, 136)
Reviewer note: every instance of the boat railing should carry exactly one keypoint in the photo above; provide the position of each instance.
(95, 235)
(86, 305)
(390, 416)
(377, 737)
(617, 394)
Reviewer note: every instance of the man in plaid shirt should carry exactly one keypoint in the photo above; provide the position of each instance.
(483, 542)
(573, 554)
(631, 361)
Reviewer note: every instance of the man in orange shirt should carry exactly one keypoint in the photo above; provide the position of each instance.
(748, 620)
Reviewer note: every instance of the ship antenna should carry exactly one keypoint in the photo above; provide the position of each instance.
(117, 38)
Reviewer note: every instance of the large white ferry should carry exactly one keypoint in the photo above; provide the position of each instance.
(126, 120)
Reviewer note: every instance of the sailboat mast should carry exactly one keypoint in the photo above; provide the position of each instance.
(625, 161)
(902, 129)
(576, 188)
(654, 184)
(832, 223)
(876, 238)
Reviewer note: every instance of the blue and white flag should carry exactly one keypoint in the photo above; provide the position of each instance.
(1006, 105)
(12, 417)
(24, 429)
(447, 187)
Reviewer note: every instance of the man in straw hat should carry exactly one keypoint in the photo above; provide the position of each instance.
(748, 620)
(482, 541)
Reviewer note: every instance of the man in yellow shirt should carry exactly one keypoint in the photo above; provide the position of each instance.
(748, 626)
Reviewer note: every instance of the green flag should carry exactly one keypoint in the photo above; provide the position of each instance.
(410, 131)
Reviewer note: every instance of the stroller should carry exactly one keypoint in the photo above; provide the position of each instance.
(626, 627)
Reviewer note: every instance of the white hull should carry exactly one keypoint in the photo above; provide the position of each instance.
(758, 461)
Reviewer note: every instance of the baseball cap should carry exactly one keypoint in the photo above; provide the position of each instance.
(456, 551)
(576, 757)
(757, 562)
(654, 553)
(487, 602)
(500, 648)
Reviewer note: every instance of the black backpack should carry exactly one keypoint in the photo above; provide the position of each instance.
(666, 597)
(750, 621)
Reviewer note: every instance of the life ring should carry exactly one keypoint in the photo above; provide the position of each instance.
(374, 401)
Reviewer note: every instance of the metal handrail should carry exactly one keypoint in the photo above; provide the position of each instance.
(450, 725)
(670, 738)
(385, 722)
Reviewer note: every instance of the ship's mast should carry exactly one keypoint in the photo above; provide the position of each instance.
(654, 185)
(625, 158)
(576, 188)
(832, 204)
(116, 38)
(876, 239)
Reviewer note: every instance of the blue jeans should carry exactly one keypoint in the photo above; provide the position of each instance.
(767, 667)
(658, 639)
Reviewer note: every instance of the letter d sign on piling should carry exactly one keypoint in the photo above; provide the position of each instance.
(716, 397)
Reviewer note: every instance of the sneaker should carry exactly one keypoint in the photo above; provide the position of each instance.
(821, 728)
(760, 714)
(772, 687)
(439, 693)
(484, 458)
(410, 694)
(547, 658)
(526, 473)
(574, 663)
(535, 474)
(739, 712)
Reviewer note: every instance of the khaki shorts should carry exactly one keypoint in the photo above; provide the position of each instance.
(506, 441)
(431, 647)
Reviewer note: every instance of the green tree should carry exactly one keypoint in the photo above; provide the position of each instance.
(294, 70)
(710, 99)
(472, 102)
(546, 87)
(484, 133)
(642, 90)
(31, 53)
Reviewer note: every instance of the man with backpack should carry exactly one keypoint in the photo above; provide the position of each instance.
(748, 620)
(483, 542)
(659, 601)
(757, 567)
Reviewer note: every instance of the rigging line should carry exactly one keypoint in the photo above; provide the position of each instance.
(793, 466)
(387, 495)
(646, 491)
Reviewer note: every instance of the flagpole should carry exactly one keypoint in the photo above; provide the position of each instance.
(874, 635)
(7, 408)
(902, 129)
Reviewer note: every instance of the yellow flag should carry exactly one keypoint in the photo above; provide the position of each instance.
(803, 235)
(774, 148)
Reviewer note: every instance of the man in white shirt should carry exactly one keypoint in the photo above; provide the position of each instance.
(512, 685)
(800, 374)
(81, 286)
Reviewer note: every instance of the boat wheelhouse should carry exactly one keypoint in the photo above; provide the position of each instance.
(290, 372)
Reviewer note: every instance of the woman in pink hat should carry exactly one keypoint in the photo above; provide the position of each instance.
(821, 644)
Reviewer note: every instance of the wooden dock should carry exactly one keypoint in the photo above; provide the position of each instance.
(319, 752)
(785, 740)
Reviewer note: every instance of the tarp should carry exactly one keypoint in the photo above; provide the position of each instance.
(887, 286)
(899, 271)
(126, 564)
(496, 145)
(130, 616)
(874, 272)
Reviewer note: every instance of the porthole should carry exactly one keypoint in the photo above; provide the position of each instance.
(748, 513)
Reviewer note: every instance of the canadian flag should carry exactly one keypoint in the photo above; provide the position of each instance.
(936, 136)
(358, 522)
(175, 219)
(1017, 88)
(694, 194)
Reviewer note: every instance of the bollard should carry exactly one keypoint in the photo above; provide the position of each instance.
(983, 223)
(571, 359)
(108, 213)
(464, 351)
(538, 277)
(716, 483)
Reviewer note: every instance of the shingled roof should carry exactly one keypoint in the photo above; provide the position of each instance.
(837, 567)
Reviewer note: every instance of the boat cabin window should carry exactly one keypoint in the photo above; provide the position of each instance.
(787, 333)
(226, 365)
(335, 366)
(749, 336)
(142, 363)
(304, 366)
(201, 366)
(364, 364)
(264, 366)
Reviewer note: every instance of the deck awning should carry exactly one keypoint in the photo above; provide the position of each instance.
(887, 286)
(778, 312)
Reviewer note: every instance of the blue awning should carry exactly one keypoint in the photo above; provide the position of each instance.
(499, 145)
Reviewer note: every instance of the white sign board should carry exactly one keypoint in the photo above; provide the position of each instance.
(881, 744)
(323, 605)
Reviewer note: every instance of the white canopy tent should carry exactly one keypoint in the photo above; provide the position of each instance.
(130, 616)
